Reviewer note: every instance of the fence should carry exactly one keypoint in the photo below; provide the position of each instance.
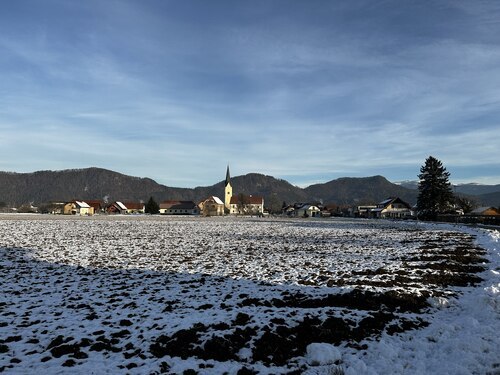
(471, 219)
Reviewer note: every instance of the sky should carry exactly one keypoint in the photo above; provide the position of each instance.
(306, 91)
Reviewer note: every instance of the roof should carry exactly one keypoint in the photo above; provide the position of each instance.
(248, 199)
(228, 177)
(387, 201)
(121, 206)
(311, 207)
(307, 207)
(134, 205)
(481, 210)
(177, 205)
(82, 204)
(215, 199)
(392, 200)
(218, 201)
(95, 203)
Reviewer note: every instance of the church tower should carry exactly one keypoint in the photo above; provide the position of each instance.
(228, 190)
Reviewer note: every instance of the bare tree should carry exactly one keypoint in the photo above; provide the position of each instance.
(242, 204)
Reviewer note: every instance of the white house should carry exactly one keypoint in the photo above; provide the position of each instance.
(135, 207)
(362, 211)
(179, 208)
(307, 210)
(392, 208)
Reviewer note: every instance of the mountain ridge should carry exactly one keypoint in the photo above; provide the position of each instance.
(98, 183)
(487, 195)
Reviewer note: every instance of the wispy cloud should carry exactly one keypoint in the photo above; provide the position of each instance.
(174, 91)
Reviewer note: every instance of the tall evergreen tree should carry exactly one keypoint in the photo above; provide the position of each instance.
(152, 207)
(435, 193)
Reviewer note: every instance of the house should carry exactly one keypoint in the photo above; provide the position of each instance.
(78, 208)
(304, 210)
(246, 205)
(485, 211)
(179, 208)
(363, 211)
(135, 207)
(55, 208)
(288, 210)
(212, 206)
(116, 208)
(97, 205)
(307, 210)
(392, 208)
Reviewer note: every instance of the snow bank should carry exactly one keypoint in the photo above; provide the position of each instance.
(461, 339)
(319, 354)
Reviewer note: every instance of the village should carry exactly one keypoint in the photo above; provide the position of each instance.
(239, 204)
(393, 208)
(233, 204)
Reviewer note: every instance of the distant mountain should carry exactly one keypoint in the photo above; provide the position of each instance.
(491, 199)
(483, 195)
(409, 184)
(366, 190)
(96, 183)
(476, 189)
(273, 190)
(90, 183)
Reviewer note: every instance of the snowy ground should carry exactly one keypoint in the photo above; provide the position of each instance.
(197, 295)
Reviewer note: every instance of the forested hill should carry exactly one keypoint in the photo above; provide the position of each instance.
(364, 190)
(95, 183)
(91, 183)
(486, 195)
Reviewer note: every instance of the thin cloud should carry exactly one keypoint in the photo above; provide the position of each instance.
(290, 90)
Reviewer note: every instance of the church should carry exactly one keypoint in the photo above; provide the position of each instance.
(241, 204)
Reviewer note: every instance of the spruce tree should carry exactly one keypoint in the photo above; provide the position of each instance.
(152, 207)
(435, 193)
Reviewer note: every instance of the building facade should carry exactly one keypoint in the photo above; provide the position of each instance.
(394, 208)
(179, 208)
(78, 208)
(212, 206)
(246, 205)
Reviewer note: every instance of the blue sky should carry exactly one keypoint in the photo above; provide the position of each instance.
(307, 91)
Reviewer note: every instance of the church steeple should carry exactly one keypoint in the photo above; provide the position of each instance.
(228, 177)
(228, 191)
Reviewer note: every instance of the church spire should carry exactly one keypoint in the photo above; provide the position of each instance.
(228, 191)
(228, 177)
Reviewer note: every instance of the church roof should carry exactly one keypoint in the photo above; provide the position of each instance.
(228, 177)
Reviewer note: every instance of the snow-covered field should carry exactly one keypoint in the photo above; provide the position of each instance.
(213, 295)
